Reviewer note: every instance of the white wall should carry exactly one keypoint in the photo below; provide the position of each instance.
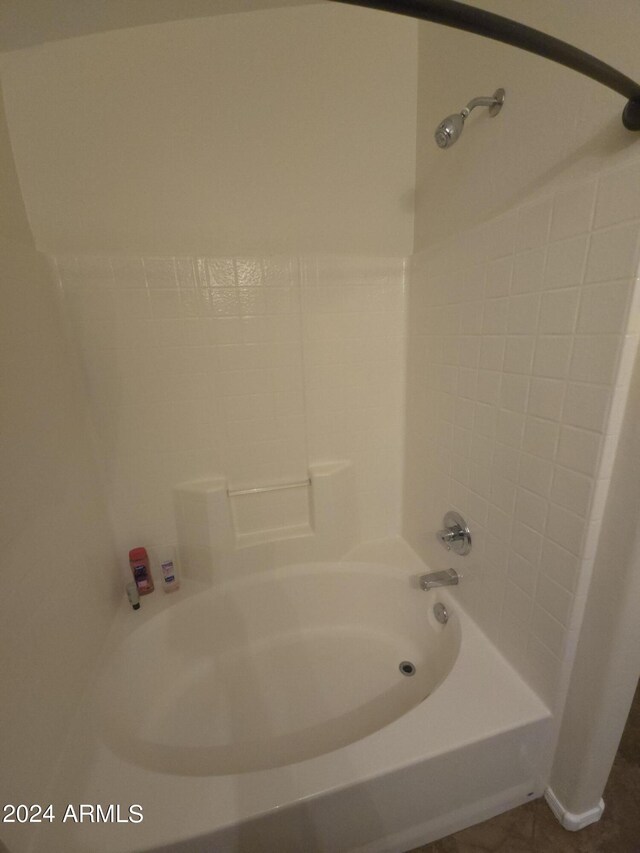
(24, 23)
(608, 656)
(281, 131)
(58, 571)
(556, 125)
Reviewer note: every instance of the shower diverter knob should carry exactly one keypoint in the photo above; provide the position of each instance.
(456, 535)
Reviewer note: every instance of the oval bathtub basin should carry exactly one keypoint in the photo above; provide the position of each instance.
(274, 668)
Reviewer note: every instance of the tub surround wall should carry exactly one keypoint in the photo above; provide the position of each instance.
(59, 580)
(220, 531)
(523, 323)
(246, 368)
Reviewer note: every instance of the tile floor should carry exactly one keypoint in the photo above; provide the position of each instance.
(532, 828)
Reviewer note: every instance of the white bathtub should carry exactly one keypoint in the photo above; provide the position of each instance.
(269, 714)
(273, 669)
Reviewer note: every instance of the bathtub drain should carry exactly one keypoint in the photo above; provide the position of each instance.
(407, 668)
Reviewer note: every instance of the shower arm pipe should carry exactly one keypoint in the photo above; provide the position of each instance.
(451, 13)
(478, 102)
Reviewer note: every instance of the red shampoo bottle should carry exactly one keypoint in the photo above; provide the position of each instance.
(139, 562)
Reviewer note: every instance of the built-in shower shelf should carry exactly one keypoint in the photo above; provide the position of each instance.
(266, 513)
(222, 528)
(259, 537)
(255, 490)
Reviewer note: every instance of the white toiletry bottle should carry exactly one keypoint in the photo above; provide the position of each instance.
(133, 596)
(169, 570)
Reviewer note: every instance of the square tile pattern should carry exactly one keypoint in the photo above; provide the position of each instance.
(250, 368)
(520, 337)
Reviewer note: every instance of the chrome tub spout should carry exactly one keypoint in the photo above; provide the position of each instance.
(449, 577)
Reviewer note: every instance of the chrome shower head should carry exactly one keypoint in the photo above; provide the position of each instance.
(449, 130)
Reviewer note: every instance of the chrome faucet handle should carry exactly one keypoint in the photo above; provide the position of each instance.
(456, 535)
(450, 535)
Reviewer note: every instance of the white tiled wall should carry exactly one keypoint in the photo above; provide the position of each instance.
(247, 367)
(519, 343)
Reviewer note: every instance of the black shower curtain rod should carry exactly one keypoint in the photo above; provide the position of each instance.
(487, 24)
